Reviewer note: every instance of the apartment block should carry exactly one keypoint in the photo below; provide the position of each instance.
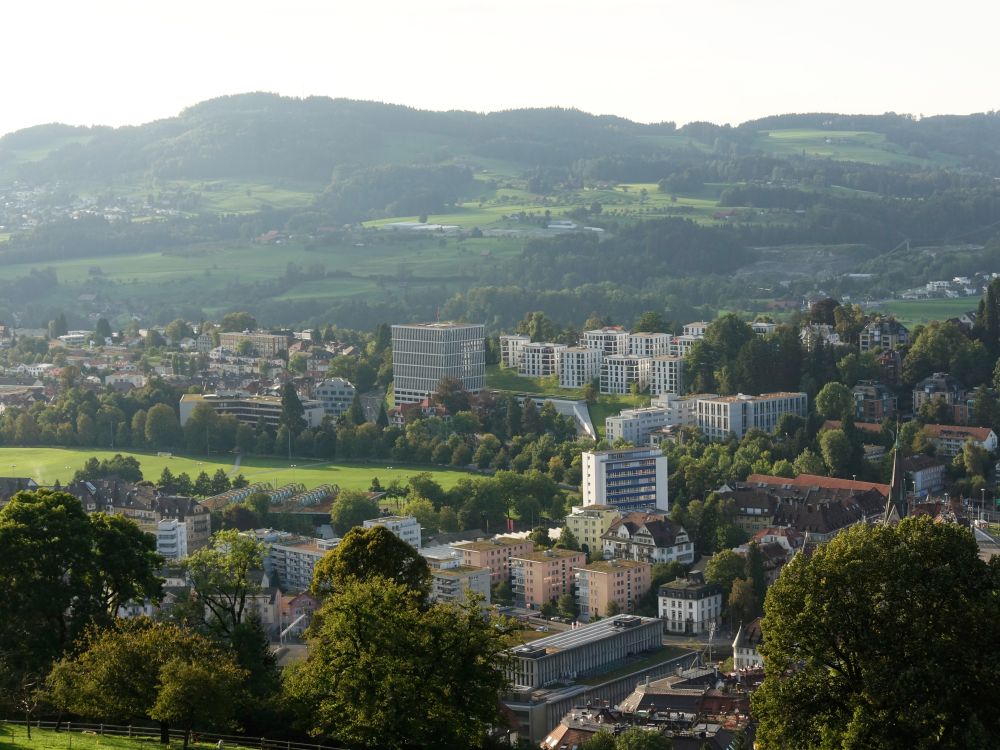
(763, 329)
(589, 523)
(718, 417)
(610, 340)
(494, 554)
(602, 583)
(636, 425)
(424, 353)
(649, 344)
(630, 479)
(510, 349)
(290, 558)
(454, 583)
(681, 345)
(171, 539)
(540, 359)
(666, 375)
(689, 605)
(873, 402)
(540, 577)
(336, 395)
(619, 372)
(882, 334)
(696, 329)
(579, 366)
(405, 527)
(250, 410)
(264, 344)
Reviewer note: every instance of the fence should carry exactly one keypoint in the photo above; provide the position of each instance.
(74, 735)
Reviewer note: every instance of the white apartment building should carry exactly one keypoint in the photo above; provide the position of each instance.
(250, 410)
(453, 582)
(540, 359)
(667, 375)
(681, 345)
(579, 366)
(636, 425)
(696, 329)
(510, 349)
(629, 479)
(620, 371)
(423, 353)
(719, 416)
(405, 527)
(763, 329)
(290, 558)
(171, 539)
(689, 605)
(649, 344)
(610, 340)
(336, 395)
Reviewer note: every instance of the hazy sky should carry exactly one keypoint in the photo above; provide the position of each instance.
(129, 61)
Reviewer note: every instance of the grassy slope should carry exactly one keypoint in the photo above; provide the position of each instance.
(911, 312)
(14, 737)
(46, 465)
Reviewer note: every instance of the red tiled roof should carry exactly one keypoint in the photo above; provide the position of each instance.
(835, 424)
(977, 433)
(814, 480)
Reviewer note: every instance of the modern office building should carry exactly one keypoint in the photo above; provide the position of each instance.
(588, 523)
(579, 366)
(510, 349)
(629, 479)
(649, 344)
(336, 395)
(620, 372)
(604, 583)
(719, 416)
(540, 359)
(667, 375)
(250, 410)
(405, 527)
(264, 344)
(424, 353)
(609, 340)
(541, 577)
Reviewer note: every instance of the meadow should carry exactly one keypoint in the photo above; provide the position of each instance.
(46, 465)
(841, 145)
(922, 311)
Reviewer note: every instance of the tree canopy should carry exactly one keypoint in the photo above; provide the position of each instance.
(366, 553)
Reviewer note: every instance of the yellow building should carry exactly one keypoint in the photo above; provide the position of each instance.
(589, 523)
(606, 581)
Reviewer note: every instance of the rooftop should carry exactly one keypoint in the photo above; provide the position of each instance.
(459, 571)
(549, 555)
(610, 566)
(568, 639)
(485, 544)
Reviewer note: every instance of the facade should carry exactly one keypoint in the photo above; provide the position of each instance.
(619, 372)
(719, 416)
(250, 410)
(696, 329)
(882, 334)
(589, 523)
(814, 334)
(950, 439)
(405, 527)
(454, 582)
(873, 402)
(647, 537)
(604, 582)
(649, 344)
(926, 473)
(290, 558)
(336, 396)
(762, 328)
(636, 425)
(171, 539)
(494, 554)
(264, 344)
(579, 366)
(689, 605)
(938, 387)
(609, 340)
(541, 577)
(540, 360)
(681, 345)
(667, 375)
(510, 349)
(746, 646)
(424, 353)
(629, 479)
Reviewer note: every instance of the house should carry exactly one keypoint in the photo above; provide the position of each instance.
(647, 537)
(746, 646)
(814, 334)
(926, 473)
(873, 401)
(882, 334)
(938, 387)
(606, 585)
(950, 439)
(295, 614)
(690, 605)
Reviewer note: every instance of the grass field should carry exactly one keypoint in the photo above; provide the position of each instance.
(116, 738)
(912, 312)
(841, 145)
(46, 465)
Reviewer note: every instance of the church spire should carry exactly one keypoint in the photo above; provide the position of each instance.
(895, 504)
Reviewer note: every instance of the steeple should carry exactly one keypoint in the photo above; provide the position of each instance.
(895, 505)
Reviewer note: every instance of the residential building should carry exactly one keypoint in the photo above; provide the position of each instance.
(950, 439)
(494, 554)
(881, 334)
(336, 395)
(814, 334)
(926, 474)
(721, 416)
(681, 345)
(264, 344)
(453, 583)
(649, 344)
(689, 605)
(540, 360)
(746, 646)
(873, 402)
(541, 577)
(171, 539)
(250, 410)
(295, 614)
(696, 329)
(647, 537)
(424, 353)
(763, 328)
(938, 387)
(628, 479)
(510, 349)
(579, 366)
(194, 516)
(667, 375)
(604, 583)
(290, 558)
(610, 340)
(636, 425)
(589, 523)
(620, 372)
(405, 527)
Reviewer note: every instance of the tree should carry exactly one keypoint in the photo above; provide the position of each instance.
(352, 508)
(724, 568)
(567, 539)
(193, 693)
(451, 394)
(926, 599)
(238, 321)
(292, 411)
(364, 554)
(103, 331)
(742, 602)
(835, 401)
(162, 428)
(836, 450)
(636, 738)
(650, 322)
(386, 671)
(58, 327)
(178, 329)
(567, 605)
(808, 462)
(220, 573)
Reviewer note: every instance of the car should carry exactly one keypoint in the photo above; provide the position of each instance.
(542, 629)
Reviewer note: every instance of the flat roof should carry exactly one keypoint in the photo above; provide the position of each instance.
(595, 631)
(440, 325)
(610, 566)
(548, 555)
(459, 571)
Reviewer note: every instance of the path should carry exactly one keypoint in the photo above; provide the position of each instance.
(236, 465)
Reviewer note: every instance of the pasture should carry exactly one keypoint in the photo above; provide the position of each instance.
(46, 465)
(912, 312)
(840, 145)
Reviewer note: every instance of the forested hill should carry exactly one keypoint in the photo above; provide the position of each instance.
(313, 138)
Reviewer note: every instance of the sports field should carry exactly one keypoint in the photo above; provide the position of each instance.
(46, 465)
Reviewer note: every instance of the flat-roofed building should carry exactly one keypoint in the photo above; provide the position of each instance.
(604, 583)
(494, 554)
(609, 340)
(681, 345)
(540, 359)
(636, 425)
(629, 479)
(455, 582)
(336, 395)
(291, 558)
(579, 366)
(666, 375)
(719, 416)
(689, 605)
(264, 343)
(510, 349)
(649, 344)
(406, 528)
(250, 410)
(541, 577)
(424, 353)
(589, 523)
(620, 372)
(697, 328)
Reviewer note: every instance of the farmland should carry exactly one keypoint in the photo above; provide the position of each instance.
(46, 465)
(912, 312)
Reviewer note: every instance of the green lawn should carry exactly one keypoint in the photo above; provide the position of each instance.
(842, 145)
(13, 736)
(660, 655)
(912, 312)
(46, 465)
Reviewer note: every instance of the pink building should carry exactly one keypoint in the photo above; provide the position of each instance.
(494, 554)
(540, 577)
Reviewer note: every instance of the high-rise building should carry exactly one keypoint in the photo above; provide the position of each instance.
(424, 353)
(579, 366)
(628, 479)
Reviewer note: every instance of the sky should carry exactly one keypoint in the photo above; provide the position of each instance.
(118, 62)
